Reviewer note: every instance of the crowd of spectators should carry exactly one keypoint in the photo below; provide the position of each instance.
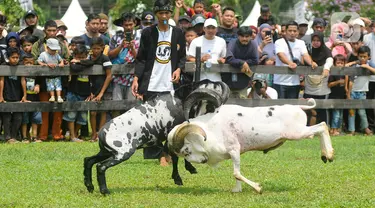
(222, 40)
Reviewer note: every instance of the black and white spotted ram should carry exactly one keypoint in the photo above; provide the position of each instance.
(146, 125)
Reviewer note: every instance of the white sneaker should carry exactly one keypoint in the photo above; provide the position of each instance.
(52, 99)
(60, 100)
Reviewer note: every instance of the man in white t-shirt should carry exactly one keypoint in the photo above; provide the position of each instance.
(213, 49)
(288, 86)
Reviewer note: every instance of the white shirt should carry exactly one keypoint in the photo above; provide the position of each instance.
(369, 40)
(161, 77)
(298, 49)
(218, 49)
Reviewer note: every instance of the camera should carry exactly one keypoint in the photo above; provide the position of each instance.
(296, 61)
(259, 84)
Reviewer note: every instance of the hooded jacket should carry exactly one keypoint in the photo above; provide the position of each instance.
(15, 36)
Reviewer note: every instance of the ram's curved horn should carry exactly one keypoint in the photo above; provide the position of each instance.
(182, 131)
(200, 94)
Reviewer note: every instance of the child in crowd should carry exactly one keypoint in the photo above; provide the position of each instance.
(190, 35)
(32, 90)
(99, 84)
(198, 8)
(79, 89)
(353, 56)
(12, 89)
(27, 44)
(52, 59)
(13, 40)
(358, 88)
(73, 43)
(338, 91)
(265, 16)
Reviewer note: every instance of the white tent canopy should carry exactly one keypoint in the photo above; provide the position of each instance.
(74, 18)
(252, 19)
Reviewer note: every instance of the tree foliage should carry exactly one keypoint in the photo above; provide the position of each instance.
(12, 10)
(325, 8)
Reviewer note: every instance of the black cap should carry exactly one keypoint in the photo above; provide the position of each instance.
(30, 12)
(319, 21)
(163, 5)
(184, 17)
(148, 16)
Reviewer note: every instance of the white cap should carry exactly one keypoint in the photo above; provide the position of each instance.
(53, 44)
(210, 22)
(358, 21)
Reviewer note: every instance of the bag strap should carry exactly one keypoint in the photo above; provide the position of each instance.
(290, 50)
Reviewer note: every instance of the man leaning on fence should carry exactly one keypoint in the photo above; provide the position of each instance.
(241, 54)
(290, 52)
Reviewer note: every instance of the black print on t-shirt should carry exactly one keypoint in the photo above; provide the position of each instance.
(163, 52)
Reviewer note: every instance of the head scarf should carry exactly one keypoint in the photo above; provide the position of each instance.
(343, 27)
(269, 48)
(319, 55)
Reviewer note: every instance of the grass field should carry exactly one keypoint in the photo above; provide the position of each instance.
(50, 175)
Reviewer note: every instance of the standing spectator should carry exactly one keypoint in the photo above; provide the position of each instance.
(13, 40)
(302, 28)
(104, 25)
(264, 40)
(316, 86)
(12, 89)
(31, 118)
(156, 72)
(290, 51)
(213, 49)
(338, 91)
(255, 32)
(92, 30)
(197, 22)
(336, 43)
(369, 40)
(226, 29)
(79, 90)
(283, 31)
(50, 30)
(99, 84)
(123, 50)
(190, 35)
(319, 25)
(61, 33)
(241, 54)
(265, 15)
(358, 89)
(148, 19)
(184, 22)
(27, 44)
(31, 20)
(3, 43)
(52, 59)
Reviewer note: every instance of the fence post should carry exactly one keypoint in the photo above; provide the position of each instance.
(197, 74)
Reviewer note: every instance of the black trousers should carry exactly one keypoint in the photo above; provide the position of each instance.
(154, 152)
(12, 123)
(371, 112)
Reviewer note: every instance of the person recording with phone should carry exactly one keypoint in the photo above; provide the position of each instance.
(265, 41)
(123, 50)
(336, 41)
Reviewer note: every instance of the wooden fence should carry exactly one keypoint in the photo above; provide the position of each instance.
(190, 67)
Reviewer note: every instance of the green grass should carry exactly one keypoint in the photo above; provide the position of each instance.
(50, 175)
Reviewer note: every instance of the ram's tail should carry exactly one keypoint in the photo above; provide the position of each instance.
(311, 105)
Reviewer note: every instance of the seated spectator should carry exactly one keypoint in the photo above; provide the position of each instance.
(226, 29)
(358, 87)
(290, 51)
(213, 49)
(264, 40)
(336, 43)
(266, 60)
(31, 118)
(12, 89)
(241, 54)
